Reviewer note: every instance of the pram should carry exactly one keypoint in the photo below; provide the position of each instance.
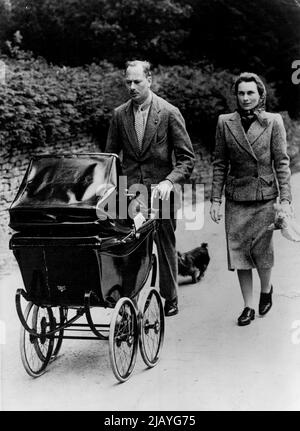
(76, 257)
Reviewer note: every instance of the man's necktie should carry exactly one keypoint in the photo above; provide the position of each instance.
(139, 126)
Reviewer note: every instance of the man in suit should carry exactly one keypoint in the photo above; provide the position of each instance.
(151, 133)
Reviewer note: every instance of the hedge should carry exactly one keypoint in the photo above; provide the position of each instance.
(42, 103)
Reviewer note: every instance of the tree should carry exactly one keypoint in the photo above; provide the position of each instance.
(259, 35)
(78, 32)
(5, 8)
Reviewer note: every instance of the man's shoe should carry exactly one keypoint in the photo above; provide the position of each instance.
(247, 315)
(171, 307)
(265, 302)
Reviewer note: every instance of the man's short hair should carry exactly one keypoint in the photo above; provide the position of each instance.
(145, 65)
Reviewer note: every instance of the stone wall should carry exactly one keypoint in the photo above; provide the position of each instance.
(203, 171)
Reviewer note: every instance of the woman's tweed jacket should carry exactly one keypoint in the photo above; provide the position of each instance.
(254, 165)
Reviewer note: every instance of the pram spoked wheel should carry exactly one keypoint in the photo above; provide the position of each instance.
(123, 339)
(59, 316)
(36, 351)
(152, 328)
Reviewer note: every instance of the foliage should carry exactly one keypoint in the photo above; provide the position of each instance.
(261, 36)
(139, 28)
(41, 104)
(293, 138)
(4, 19)
(77, 32)
(202, 93)
(254, 35)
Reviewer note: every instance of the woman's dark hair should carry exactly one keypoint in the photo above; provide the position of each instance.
(248, 77)
(252, 77)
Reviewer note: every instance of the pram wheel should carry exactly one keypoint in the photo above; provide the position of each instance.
(36, 351)
(152, 328)
(60, 316)
(123, 339)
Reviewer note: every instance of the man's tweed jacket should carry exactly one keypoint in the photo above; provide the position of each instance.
(167, 152)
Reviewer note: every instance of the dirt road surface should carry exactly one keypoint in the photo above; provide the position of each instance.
(207, 362)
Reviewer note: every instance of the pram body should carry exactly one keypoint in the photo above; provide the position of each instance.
(74, 253)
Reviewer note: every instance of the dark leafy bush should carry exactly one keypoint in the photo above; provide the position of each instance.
(258, 35)
(201, 93)
(41, 104)
(75, 32)
(293, 138)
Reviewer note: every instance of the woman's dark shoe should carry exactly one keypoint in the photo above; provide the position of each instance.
(265, 302)
(247, 315)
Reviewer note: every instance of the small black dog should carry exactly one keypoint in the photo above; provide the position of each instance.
(194, 262)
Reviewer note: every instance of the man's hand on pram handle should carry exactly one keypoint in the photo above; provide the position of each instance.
(138, 207)
(140, 211)
(163, 190)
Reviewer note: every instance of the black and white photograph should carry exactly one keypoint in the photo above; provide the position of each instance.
(149, 208)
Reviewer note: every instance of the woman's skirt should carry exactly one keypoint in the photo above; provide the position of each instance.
(249, 242)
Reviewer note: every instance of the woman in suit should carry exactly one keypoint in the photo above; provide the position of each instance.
(251, 161)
